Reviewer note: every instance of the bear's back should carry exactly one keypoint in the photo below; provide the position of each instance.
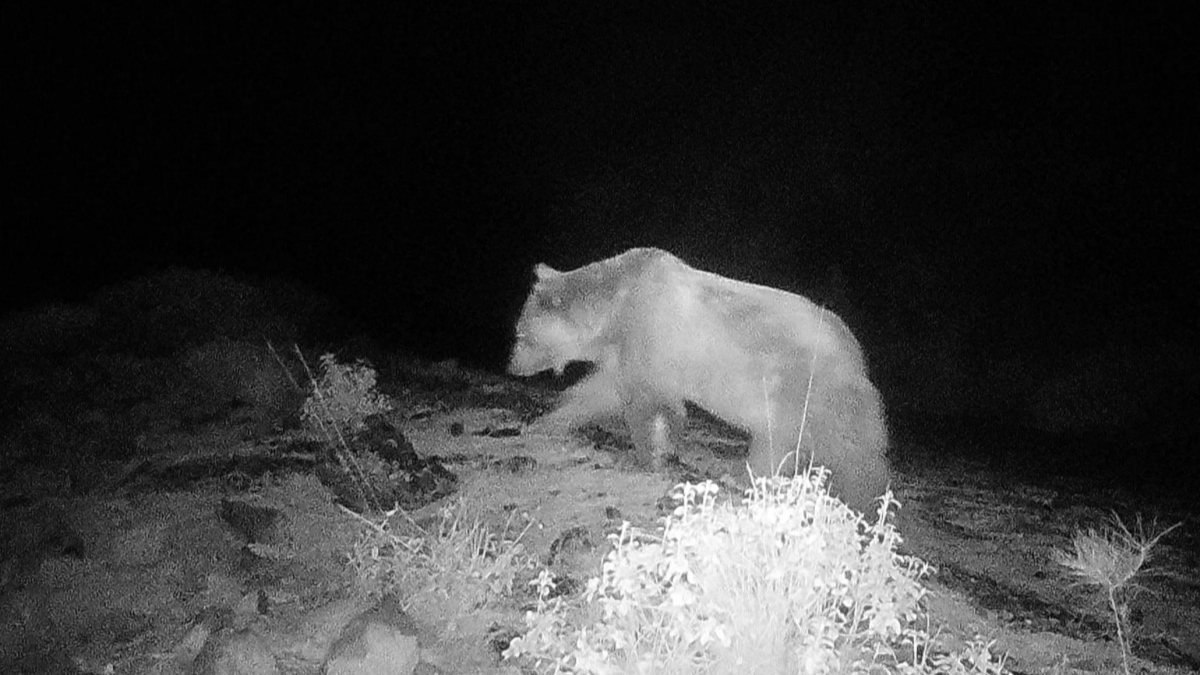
(746, 304)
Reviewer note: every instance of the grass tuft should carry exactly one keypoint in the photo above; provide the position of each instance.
(1111, 559)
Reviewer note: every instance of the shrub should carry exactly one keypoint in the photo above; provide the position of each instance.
(336, 409)
(341, 400)
(461, 561)
(790, 581)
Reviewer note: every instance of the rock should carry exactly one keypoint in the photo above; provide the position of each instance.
(254, 524)
(388, 470)
(240, 653)
(380, 641)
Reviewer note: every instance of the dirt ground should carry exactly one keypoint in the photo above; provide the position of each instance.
(117, 580)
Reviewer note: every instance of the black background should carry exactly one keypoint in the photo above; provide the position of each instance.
(1010, 181)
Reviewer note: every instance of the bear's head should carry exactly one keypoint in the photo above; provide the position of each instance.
(562, 316)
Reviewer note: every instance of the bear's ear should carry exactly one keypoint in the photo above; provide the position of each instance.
(544, 271)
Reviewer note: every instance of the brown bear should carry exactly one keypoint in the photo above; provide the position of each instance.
(660, 332)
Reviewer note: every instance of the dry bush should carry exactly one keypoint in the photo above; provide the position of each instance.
(341, 399)
(1112, 559)
(460, 562)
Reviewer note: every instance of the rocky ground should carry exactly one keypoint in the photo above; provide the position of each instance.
(218, 546)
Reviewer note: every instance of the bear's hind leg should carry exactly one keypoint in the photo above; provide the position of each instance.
(843, 430)
(773, 451)
(655, 429)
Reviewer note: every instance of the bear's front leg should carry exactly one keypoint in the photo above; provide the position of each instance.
(592, 398)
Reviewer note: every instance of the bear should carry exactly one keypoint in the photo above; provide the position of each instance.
(659, 332)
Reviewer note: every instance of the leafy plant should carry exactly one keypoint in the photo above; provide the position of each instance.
(791, 581)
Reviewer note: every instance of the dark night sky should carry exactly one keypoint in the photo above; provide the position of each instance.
(1021, 176)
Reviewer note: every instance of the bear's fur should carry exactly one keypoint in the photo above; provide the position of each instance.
(660, 332)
